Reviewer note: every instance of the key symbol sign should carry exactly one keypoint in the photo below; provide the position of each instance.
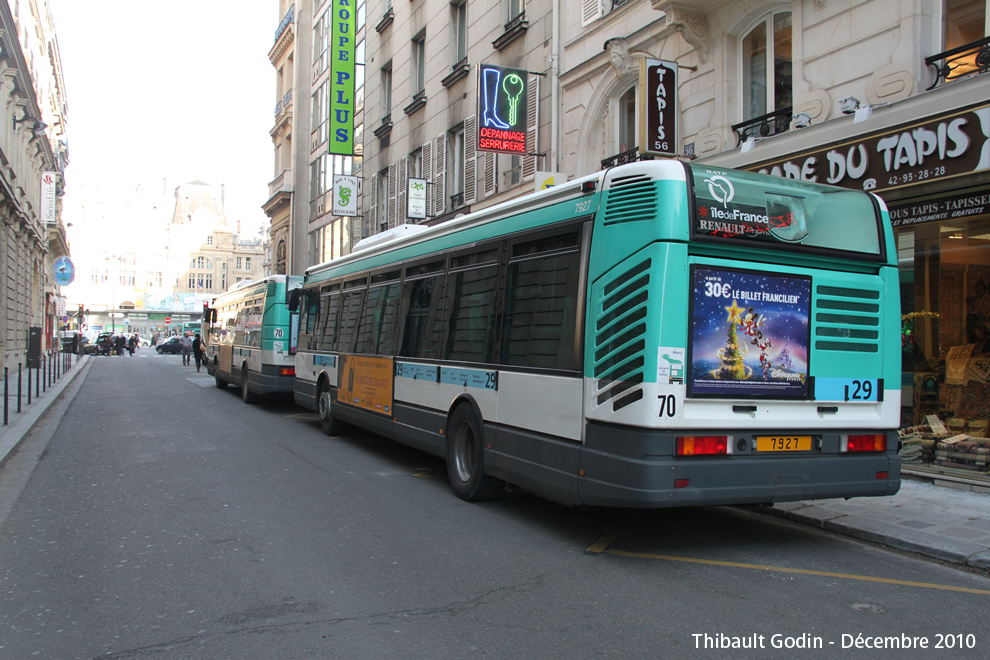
(513, 86)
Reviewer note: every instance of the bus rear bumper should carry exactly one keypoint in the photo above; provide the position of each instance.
(270, 384)
(610, 479)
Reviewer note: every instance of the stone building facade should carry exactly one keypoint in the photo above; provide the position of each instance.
(32, 143)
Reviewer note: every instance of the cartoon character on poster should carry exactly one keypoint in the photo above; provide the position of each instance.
(749, 334)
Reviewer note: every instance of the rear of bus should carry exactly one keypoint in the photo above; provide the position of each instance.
(276, 370)
(742, 341)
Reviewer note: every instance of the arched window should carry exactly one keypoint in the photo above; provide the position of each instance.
(280, 258)
(766, 63)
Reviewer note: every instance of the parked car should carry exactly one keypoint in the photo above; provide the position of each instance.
(104, 344)
(88, 347)
(171, 345)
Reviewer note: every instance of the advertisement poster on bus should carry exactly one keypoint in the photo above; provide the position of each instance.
(366, 382)
(749, 334)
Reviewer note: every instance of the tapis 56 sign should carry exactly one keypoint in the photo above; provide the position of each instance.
(502, 95)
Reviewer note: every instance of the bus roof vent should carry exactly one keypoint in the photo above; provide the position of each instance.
(620, 344)
(631, 198)
(272, 288)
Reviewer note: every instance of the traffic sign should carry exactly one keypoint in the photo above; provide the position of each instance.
(168, 319)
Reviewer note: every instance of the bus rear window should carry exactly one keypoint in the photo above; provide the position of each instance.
(743, 206)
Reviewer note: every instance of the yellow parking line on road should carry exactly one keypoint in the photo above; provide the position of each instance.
(803, 571)
(601, 546)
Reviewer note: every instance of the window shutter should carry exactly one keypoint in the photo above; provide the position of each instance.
(532, 126)
(470, 160)
(490, 162)
(591, 11)
(372, 214)
(440, 174)
(402, 217)
(428, 175)
(391, 212)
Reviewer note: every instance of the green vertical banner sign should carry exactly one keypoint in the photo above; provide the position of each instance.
(342, 71)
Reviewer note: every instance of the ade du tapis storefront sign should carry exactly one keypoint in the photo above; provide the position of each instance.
(930, 150)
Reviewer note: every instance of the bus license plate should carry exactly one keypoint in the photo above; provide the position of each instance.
(783, 443)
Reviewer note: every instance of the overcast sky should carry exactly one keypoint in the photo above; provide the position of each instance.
(180, 90)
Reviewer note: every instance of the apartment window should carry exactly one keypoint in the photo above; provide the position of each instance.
(516, 8)
(247, 263)
(416, 164)
(209, 281)
(419, 64)
(238, 263)
(209, 240)
(223, 282)
(192, 281)
(965, 22)
(455, 169)
(382, 196)
(766, 62)
(387, 90)
(627, 121)
(513, 173)
(458, 30)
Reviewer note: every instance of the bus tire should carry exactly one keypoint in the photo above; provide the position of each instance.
(328, 424)
(465, 457)
(220, 382)
(247, 396)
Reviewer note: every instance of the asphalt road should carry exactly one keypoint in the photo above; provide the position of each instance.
(155, 516)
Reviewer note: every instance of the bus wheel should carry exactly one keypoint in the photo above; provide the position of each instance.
(465, 457)
(246, 395)
(328, 424)
(221, 383)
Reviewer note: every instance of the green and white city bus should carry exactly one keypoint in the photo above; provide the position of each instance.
(656, 334)
(251, 337)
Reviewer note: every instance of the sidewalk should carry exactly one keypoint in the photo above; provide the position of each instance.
(934, 521)
(20, 424)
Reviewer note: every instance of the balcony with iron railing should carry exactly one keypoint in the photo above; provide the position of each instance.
(284, 104)
(630, 156)
(287, 20)
(772, 123)
(967, 60)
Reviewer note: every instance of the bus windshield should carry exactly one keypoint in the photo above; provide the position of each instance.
(735, 205)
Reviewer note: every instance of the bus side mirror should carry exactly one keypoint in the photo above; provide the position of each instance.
(294, 297)
(213, 316)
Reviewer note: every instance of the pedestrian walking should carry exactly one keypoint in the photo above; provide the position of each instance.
(197, 347)
(186, 344)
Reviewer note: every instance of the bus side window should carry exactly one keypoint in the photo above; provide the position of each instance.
(388, 322)
(422, 322)
(470, 314)
(350, 313)
(330, 322)
(540, 323)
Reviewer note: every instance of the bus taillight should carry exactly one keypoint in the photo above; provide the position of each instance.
(867, 442)
(287, 371)
(695, 445)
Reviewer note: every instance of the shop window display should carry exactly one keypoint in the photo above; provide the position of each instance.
(945, 339)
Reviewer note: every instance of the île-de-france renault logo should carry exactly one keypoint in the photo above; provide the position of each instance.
(721, 189)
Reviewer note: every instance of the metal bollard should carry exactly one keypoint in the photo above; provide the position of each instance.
(29, 386)
(5, 403)
(19, 386)
(43, 373)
